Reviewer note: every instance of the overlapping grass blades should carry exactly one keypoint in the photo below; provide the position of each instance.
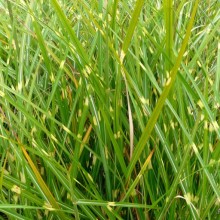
(83, 82)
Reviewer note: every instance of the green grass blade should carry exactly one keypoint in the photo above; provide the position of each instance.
(153, 119)
(133, 23)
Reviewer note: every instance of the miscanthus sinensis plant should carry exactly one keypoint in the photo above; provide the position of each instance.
(109, 109)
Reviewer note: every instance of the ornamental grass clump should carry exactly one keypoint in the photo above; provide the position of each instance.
(109, 109)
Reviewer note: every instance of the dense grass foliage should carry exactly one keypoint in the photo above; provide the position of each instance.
(109, 109)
